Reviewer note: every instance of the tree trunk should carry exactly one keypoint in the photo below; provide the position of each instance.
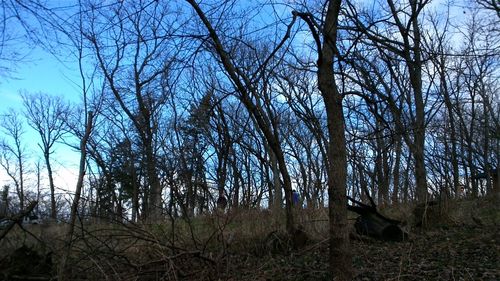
(62, 269)
(396, 171)
(236, 190)
(278, 195)
(155, 206)
(415, 70)
(382, 168)
(340, 260)
(53, 210)
(135, 192)
(451, 122)
(21, 176)
(38, 180)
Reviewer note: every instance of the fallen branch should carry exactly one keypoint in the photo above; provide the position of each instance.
(17, 219)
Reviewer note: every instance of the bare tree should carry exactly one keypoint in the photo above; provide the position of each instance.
(340, 254)
(47, 115)
(304, 100)
(13, 48)
(402, 43)
(490, 5)
(131, 43)
(13, 152)
(248, 95)
(475, 89)
(326, 43)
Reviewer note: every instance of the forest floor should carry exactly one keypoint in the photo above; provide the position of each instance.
(464, 245)
(451, 253)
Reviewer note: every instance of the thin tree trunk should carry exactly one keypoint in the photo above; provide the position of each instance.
(38, 176)
(236, 189)
(396, 170)
(486, 142)
(278, 195)
(53, 210)
(63, 273)
(135, 193)
(381, 168)
(21, 177)
(451, 122)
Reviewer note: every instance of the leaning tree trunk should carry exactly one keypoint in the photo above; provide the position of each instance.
(53, 210)
(278, 196)
(244, 86)
(62, 270)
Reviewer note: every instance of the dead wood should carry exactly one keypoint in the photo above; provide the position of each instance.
(17, 219)
(373, 224)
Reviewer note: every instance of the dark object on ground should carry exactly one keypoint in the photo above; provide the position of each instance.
(26, 264)
(378, 227)
(299, 238)
(278, 242)
(222, 202)
(373, 224)
(427, 214)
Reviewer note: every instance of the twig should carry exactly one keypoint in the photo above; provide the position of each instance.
(18, 219)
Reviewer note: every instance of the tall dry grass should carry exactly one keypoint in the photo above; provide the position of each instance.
(204, 247)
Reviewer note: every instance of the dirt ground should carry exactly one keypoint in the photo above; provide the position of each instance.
(456, 253)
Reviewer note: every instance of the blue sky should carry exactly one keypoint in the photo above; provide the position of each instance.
(42, 72)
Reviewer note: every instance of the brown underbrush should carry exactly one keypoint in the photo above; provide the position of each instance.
(252, 245)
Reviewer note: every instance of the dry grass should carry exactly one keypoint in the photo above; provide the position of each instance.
(235, 246)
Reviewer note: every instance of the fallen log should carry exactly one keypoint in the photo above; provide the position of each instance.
(371, 223)
(376, 227)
